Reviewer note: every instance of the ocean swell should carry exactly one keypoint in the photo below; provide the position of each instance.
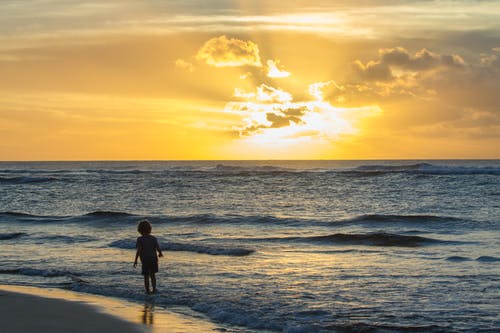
(12, 235)
(371, 239)
(63, 239)
(25, 180)
(108, 214)
(425, 168)
(38, 272)
(406, 219)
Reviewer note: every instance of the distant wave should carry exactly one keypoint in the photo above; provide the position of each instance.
(425, 168)
(25, 180)
(372, 239)
(233, 219)
(38, 272)
(102, 217)
(241, 170)
(188, 247)
(382, 218)
(257, 169)
(12, 235)
(364, 170)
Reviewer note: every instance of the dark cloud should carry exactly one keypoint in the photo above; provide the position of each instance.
(295, 111)
(399, 58)
(421, 61)
(372, 71)
(278, 121)
(280, 116)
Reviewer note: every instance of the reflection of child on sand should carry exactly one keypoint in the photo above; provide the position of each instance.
(147, 245)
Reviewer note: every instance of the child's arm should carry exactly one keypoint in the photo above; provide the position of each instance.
(137, 255)
(160, 254)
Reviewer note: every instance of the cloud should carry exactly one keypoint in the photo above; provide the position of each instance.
(180, 63)
(273, 114)
(278, 120)
(319, 89)
(229, 52)
(399, 58)
(264, 94)
(421, 61)
(274, 72)
(491, 60)
(268, 117)
(372, 71)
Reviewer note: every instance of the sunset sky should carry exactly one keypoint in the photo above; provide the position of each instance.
(193, 79)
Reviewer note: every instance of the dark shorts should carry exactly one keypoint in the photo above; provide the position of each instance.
(149, 265)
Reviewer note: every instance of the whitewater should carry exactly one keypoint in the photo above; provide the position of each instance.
(280, 246)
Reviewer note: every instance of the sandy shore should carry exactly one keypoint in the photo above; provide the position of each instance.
(28, 309)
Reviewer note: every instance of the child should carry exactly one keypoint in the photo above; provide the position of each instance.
(147, 245)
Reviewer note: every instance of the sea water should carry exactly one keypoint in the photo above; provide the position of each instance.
(285, 246)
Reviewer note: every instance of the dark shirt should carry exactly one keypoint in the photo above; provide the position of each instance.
(147, 245)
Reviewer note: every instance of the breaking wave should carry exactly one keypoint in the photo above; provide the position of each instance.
(188, 247)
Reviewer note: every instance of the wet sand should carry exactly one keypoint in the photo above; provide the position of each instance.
(29, 309)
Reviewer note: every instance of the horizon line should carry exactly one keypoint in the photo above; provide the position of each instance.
(254, 160)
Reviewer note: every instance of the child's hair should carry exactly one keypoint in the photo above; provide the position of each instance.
(144, 227)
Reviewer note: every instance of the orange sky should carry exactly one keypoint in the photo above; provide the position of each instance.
(128, 80)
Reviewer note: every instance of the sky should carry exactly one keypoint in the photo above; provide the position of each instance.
(220, 79)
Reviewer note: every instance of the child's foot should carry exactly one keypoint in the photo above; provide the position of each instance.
(148, 292)
(155, 291)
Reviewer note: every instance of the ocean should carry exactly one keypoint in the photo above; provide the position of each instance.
(280, 246)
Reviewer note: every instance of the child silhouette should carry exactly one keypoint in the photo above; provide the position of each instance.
(147, 246)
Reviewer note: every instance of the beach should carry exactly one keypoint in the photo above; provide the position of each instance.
(30, 309)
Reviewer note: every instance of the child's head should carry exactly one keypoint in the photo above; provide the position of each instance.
(144, 227)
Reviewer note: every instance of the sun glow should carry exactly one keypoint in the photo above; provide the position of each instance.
(249, 79)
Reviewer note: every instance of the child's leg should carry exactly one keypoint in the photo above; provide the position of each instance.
(153, 281)
(146, 283)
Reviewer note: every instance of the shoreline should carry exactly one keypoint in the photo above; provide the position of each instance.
(34, 309)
